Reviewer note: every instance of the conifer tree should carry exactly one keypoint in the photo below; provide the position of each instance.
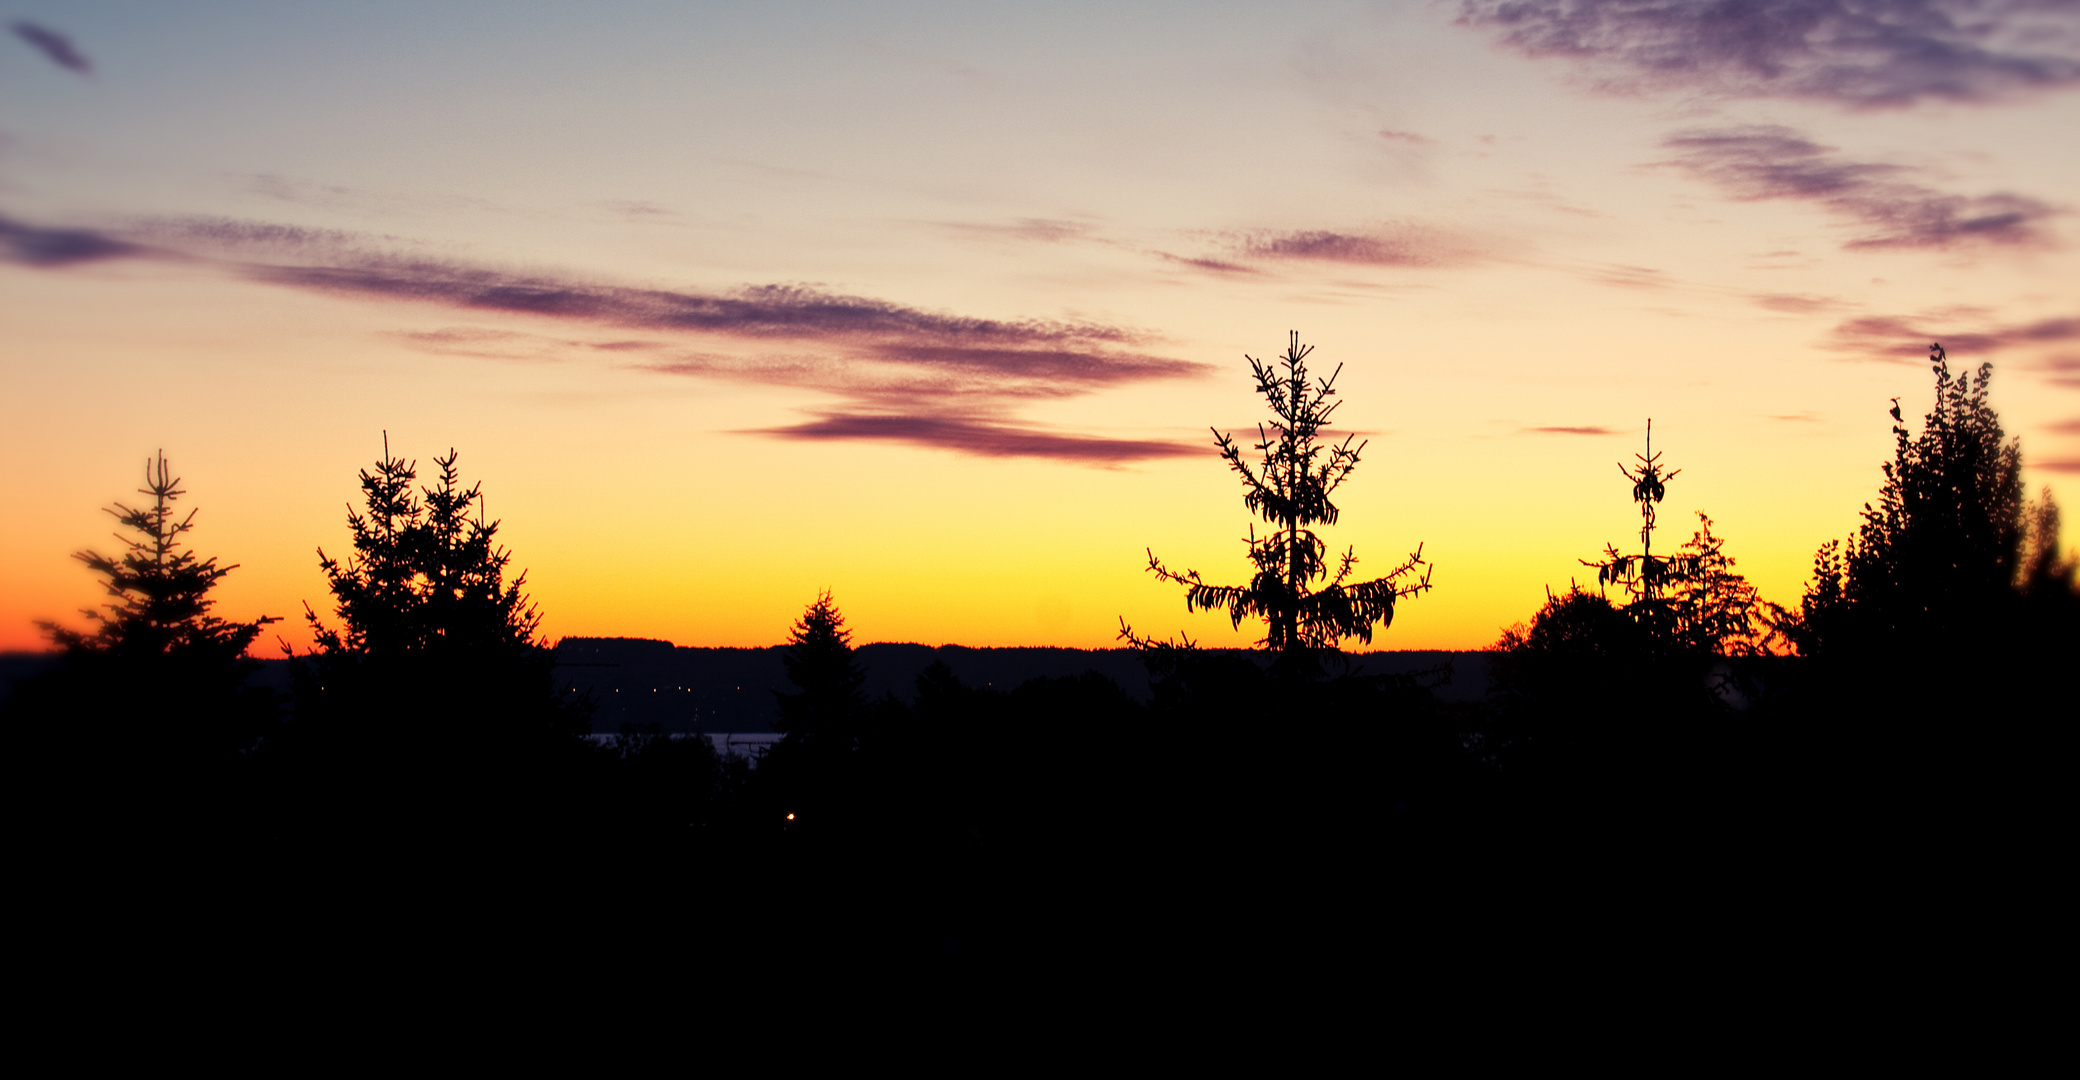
(1290, 487)
(819, 661)
(158, 675)
(1690, 600)
(430, 633)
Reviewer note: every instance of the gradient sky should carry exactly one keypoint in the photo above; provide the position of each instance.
(934, 304)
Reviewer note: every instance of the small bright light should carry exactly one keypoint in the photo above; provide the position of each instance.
(790, 817)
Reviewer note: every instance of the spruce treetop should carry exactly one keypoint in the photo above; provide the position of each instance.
(1290, 486)
(159, 588)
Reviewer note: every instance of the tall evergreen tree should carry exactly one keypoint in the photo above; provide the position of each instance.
(819, 662)
(157, 673)
(1290, 487)
(432, 640)
(138, 738)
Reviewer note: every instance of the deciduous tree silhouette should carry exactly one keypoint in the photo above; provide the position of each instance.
(1936, 638)
(1939, 555)
(1290, 487)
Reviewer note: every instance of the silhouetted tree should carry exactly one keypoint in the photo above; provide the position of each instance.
(140, 731)
(1935, 638)
(157, 671)
(433, 644)
(819, 661)
(1690, 601)
(1290, 488)
(1643, 576)
(1717, 611)
(1940, 553)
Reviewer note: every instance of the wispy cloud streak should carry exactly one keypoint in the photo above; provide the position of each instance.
(1860, 54)
(1398, 245)
(1770, 162)
(910, 375)
(1898, 337)
(978, 435)
(31, 245)
(56, 47)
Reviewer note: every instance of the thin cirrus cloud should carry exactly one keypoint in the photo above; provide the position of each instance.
(56, 47)
(1402, 245)
(2062, 371)
(1045, 230)
(906, 374)
(981, 435)
(1897, 337)
(1858, 54)
(1764, 162)
(1567, 430)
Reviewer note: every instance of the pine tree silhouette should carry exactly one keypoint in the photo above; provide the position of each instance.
(1290, 488)
(432, 640)
(819, 661)
(142, 722)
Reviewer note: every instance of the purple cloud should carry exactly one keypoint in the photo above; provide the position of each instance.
(1561, 430)
(1408, 248)
(909, 375)
(1044, 230)
(979, 435)
(1862, 54)
(1629, 277)
(1752, 164)
(1405, 244)
(2063, 427)
(1793, 304)
(32, 245)
(54, 46)
(1218, 266)
(2064, 371)
(1409, 137)
(1896, 337)
(2071, 465)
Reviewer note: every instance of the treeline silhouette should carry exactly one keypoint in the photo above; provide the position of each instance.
(1637, 759)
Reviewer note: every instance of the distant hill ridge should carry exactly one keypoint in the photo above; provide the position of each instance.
(688, 689)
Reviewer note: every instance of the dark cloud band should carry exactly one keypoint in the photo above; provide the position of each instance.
(55, 47)
(911, 375)
(1897, 337)
(982, 436)
(1856, 53)
(1770, 162)
(31, 245)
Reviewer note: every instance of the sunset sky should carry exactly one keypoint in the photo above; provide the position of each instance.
(933, 304)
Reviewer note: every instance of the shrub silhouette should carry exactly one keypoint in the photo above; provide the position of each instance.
(1290, 488)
